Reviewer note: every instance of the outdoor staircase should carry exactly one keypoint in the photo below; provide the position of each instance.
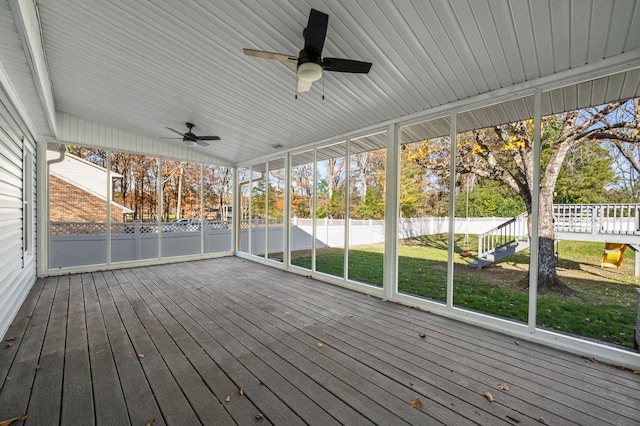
(504, 240)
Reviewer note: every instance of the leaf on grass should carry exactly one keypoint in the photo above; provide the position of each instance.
(503, 386)
(228, 399)
(16, 418)
(140, 355)
(10, 339)
(416, 403)
(241, 391)
(260, 416)
(320, 345)
(489, 397)
(422, 335)
(151, 421)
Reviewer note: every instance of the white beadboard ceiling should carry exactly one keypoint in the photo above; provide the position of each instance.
(141, 66)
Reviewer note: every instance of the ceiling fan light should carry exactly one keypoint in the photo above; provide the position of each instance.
(189, 142)
(309, 71)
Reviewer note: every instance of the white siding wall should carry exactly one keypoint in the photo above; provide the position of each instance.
(17, 270)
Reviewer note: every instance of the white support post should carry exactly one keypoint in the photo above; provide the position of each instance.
(347, 212)
(266, 210)
(160, 205)
(286, 224)
(535, 202)
(392, 208)
(314, 219)
(236, 224)
(452, 208)
(250, 221)
(202, 221)
(108, 224)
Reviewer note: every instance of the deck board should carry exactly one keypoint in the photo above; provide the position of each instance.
(209, 328)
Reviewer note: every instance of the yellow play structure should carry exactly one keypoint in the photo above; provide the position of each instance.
(613, 255)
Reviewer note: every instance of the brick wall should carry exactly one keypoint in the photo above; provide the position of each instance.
(68, 203)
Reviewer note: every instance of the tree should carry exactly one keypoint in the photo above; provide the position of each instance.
(505, 153)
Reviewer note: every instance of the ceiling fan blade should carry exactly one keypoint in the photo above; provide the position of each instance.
(175, 131)
(270, 55)
(201, 143)
(345, 65)
(208, 138)
(304, 85)
(316, 31)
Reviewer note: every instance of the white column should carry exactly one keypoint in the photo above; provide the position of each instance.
(286, 223)
(391, 212)
(452, 208)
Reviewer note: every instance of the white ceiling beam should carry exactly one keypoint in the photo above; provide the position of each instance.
(27, 22)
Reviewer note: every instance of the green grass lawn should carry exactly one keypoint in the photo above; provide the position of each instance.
(603, 308)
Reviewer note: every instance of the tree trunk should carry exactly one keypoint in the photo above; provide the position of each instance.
(548, 280)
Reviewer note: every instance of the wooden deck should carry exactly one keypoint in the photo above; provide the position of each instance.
(174, 342)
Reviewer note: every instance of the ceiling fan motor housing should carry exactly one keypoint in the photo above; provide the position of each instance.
(309, 66)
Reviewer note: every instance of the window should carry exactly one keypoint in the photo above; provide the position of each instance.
(27, 200)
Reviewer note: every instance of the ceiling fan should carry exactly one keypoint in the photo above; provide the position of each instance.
(309, 64)
(192, 140)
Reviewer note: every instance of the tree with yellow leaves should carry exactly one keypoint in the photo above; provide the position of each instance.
(505, 153)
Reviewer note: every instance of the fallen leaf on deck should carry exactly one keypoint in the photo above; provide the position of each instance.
(228, 399)
(636, 371)
(140, 355)
(241, 391)
(320, 345)
(260, 416)
(10, 339)
(488, 396)
(516, 342)
(8, 345)
(151, 421)
(592, 359)
(9, 421)
(422, 335)
(350, 315)
(417, 308)
(503, 386)
(416, 403)
(618, 367)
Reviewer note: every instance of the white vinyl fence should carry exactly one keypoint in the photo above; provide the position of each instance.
(84, 243)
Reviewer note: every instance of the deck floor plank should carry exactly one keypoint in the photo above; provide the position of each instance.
(208, 409)
(110, 407)
(241, 409)
(215, 342)
(209, 328)
(242, 343)
(17, 387)
(172, 402)
(17, 329)
(586, 384)
(47, 385)
(313, 384)
(77, 398)
(140, 400)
